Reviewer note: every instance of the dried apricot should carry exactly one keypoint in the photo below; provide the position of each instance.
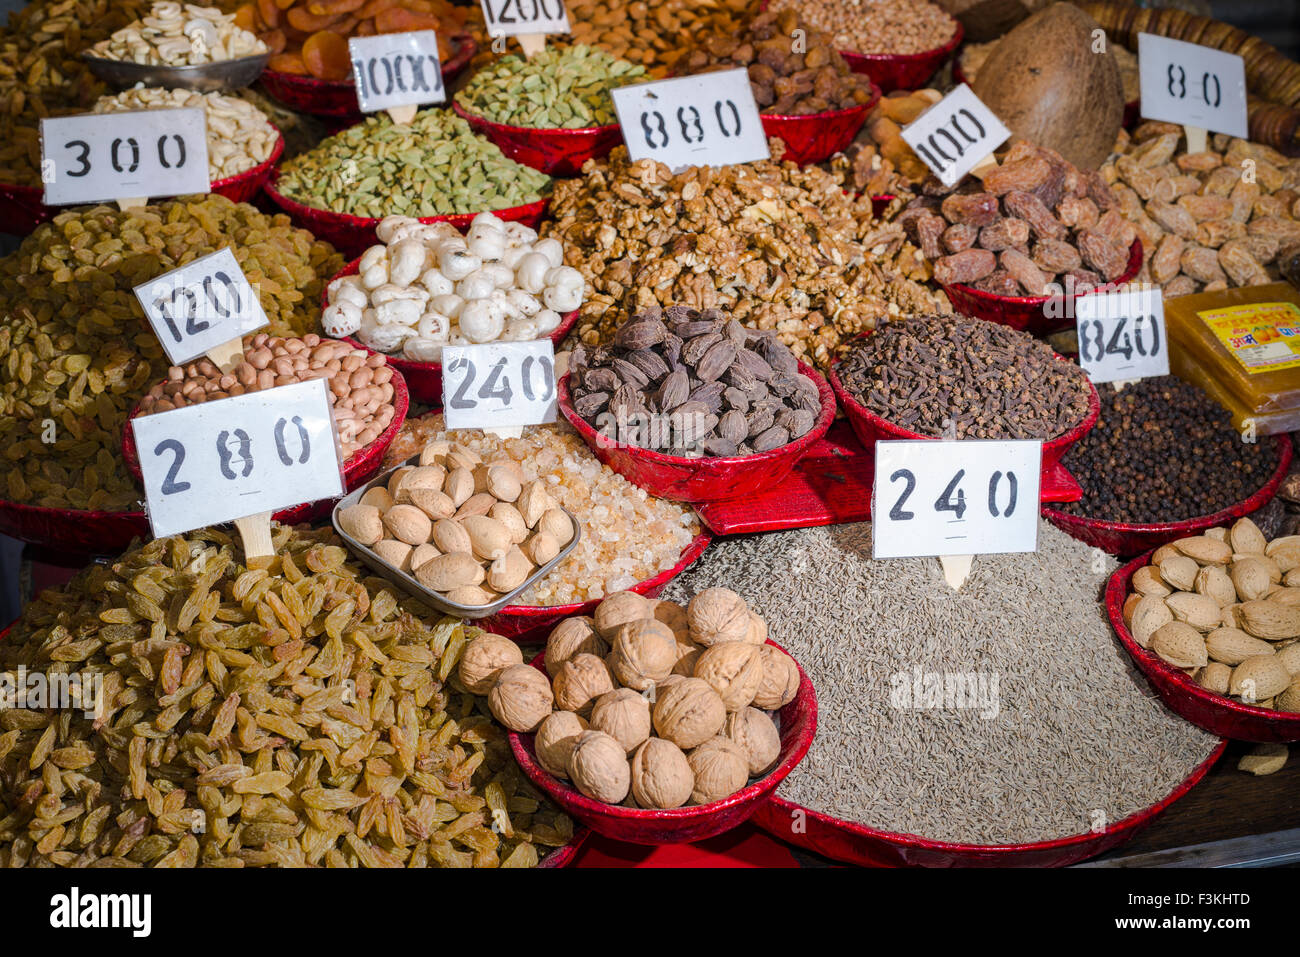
(269, 12)
(300, 18)
(326, 56)
(246, 17)
(287, 63)
(398, 20)
(333, 7)
(372, 8)
(274, 40)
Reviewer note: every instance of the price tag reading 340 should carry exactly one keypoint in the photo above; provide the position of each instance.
(968, 497)
(1192, 85)
(97, 157)
(258, 452)
(952, 136)
(498, 384)
(705, 120)
(510, 18)
(1122, 334)
(201, 305)
(396, 69)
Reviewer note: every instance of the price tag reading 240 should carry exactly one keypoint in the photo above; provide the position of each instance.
(215, 462)
(969, 497)
(95, 157)
(952, 136)
(1122, 334)
(1192, 85)
(705, 120)
(396, 69)
(498, 384)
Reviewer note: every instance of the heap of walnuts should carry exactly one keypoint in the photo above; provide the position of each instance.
(649, 704)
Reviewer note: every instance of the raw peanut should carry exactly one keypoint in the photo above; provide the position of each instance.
(1030, 208)
(971, 209)
(1056, 255)
(1206, 208)
(1023, 270)
(1167, 261)
(1023, 174)
(964, 267)
(1006, 233)
(1202, 264)
(959, 236)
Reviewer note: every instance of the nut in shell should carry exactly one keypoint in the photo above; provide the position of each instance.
(555, 738)
(394, 553)
(1180, 645)
(362, 522)
(580, 681)
(488, 538)
(734, 670)
(521, 698)
(448, 572)
(780, 681)
(598, 767)
(618, 608)
(717, 615)
(689, 713)
(644, 652)
(1258, 678)
(674, 616)
(661, 775)
(572, 636)
(756, 735)
(1149, 614)
(483, 660)
(1205, 550)
(1246, 538)
(721, 769)
(1179, 572)
(624, 715)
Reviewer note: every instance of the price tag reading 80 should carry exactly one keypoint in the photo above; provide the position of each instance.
(1122, 334)
(1192, 85)
(498, 384)
(705, 120)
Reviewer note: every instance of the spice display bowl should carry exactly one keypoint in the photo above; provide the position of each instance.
(1056, 483)
(904, 71)
(359, 467)
(1029, 313)
(798, 725)
(815, 137)
(424, 379)
(681, 479)
(338, 98)
(351, 235)
(212, 77)
(1211, 712)
(531, 624)
(242, 187)
(855, 843)
(556, 151)
(1126, 539)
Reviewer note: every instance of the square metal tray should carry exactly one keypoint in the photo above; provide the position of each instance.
(410, 583)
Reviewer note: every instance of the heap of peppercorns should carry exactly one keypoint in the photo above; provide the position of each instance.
(1164, 451)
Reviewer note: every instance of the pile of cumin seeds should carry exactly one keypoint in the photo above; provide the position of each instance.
(1079, 736)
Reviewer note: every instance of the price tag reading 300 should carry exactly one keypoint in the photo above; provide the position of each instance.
(705, 120)
(1122, 334)
(1192, 85)
(396, 69)
(970, 497)
(952, 136)
(498, 385)
(218, 461)
(96, 157)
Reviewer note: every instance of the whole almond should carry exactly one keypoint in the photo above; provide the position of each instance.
(1180, 645)
(432, 502)
(1246, 537)
(1205, 550)
(471, 595)
(1292, 578)
(395, 553)
(1219, 534)
(1131, 603)
(379, 498)
(435, 453)
(556, 523)
(1269, 619)
(1149, 615)
(480, 503)
(509, 516)
(1215, 677)
(1258, 678)
(459, 485)
(1250, 579)
(1213, 582)
(1264, 759)
(509, 571)
(1285, 596)
(1200, 612)
(541, 548)
(450, 536)
(1147, 581)
(423, 476)
(408, 524)
(1285, 551)
(1289, 656)
(1233, 646)
(502, 483)
(447, 572)
(362, 522)
(1289, 700)
(533, 502)
(1179, 571)
(395, 479)
(488, 538)
(1160, 554)
(423, 553)
(463, 457)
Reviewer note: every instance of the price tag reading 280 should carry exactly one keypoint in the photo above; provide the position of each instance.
(95, 157)
(498, 384)
(955, 134)
(215, 462)
(966, 497)
(1122, 334)
(705, 120)
(396, 69)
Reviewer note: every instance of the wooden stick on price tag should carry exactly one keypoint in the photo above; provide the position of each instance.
(227, 355)
(255, 530)
(1196, 138)
(132, 202)
(533, 43)
(984, 167)
(956, 569)
(402, 115)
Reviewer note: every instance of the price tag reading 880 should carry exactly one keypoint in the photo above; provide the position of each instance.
(498, 384)
(218, 461)
(1122, 334)
(705, 120)
(968, 497)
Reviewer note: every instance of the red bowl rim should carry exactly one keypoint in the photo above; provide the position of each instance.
(940, 51)
(1190, 526)
(1134, 820)
(466, 47)
(1064, 440)
(541, 131)
(993, 299)
(693, 550)
(828, 114)
(595, 440)
(549, 783)
(295, 208)
(88, 515)
(1116, 593)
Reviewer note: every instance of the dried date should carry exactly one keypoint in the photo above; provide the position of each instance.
(964, 267)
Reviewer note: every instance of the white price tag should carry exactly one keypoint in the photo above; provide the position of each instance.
(97, 157)
(1122, 334)
(952, 136)
(511, 18)
(259, 452)
(967, 497)
(1192, 85)
(396, 69)
(498, 384)
(705, 120)
(201, 305)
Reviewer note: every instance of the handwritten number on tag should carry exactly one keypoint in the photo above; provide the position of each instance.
(83, 159)
(548, 379)
(946, 501)
(896, 513)
(170, 486)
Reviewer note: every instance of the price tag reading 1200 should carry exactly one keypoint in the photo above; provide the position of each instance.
(1122, 334)
(511, 18)
(396, 69)
(970, 497)
(705, 120)
(1192, 85)
(498, 385)
(218, 461)
(97, 157)
(952, 136)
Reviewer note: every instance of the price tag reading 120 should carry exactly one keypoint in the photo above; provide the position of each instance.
(511, 18)
(1192, 85)
(498, 384)
(218, 461)
(969, 497)
(97, 157)
(952, 136)
(1122, 334)
(705, 120)
(396, 69)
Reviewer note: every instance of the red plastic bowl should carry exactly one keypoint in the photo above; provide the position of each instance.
(1120, 538)
(563, 856)
(858, 844)
(338, 98)
(1214, 713)
(557, 152)
(21, 208)
(352, 234)
(530, 624)
(424, 379)
(683, 824)
(903, 71)
(72, 532)
(1029, 313)
(817, 136)
(681, 479)
(1056, 484)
